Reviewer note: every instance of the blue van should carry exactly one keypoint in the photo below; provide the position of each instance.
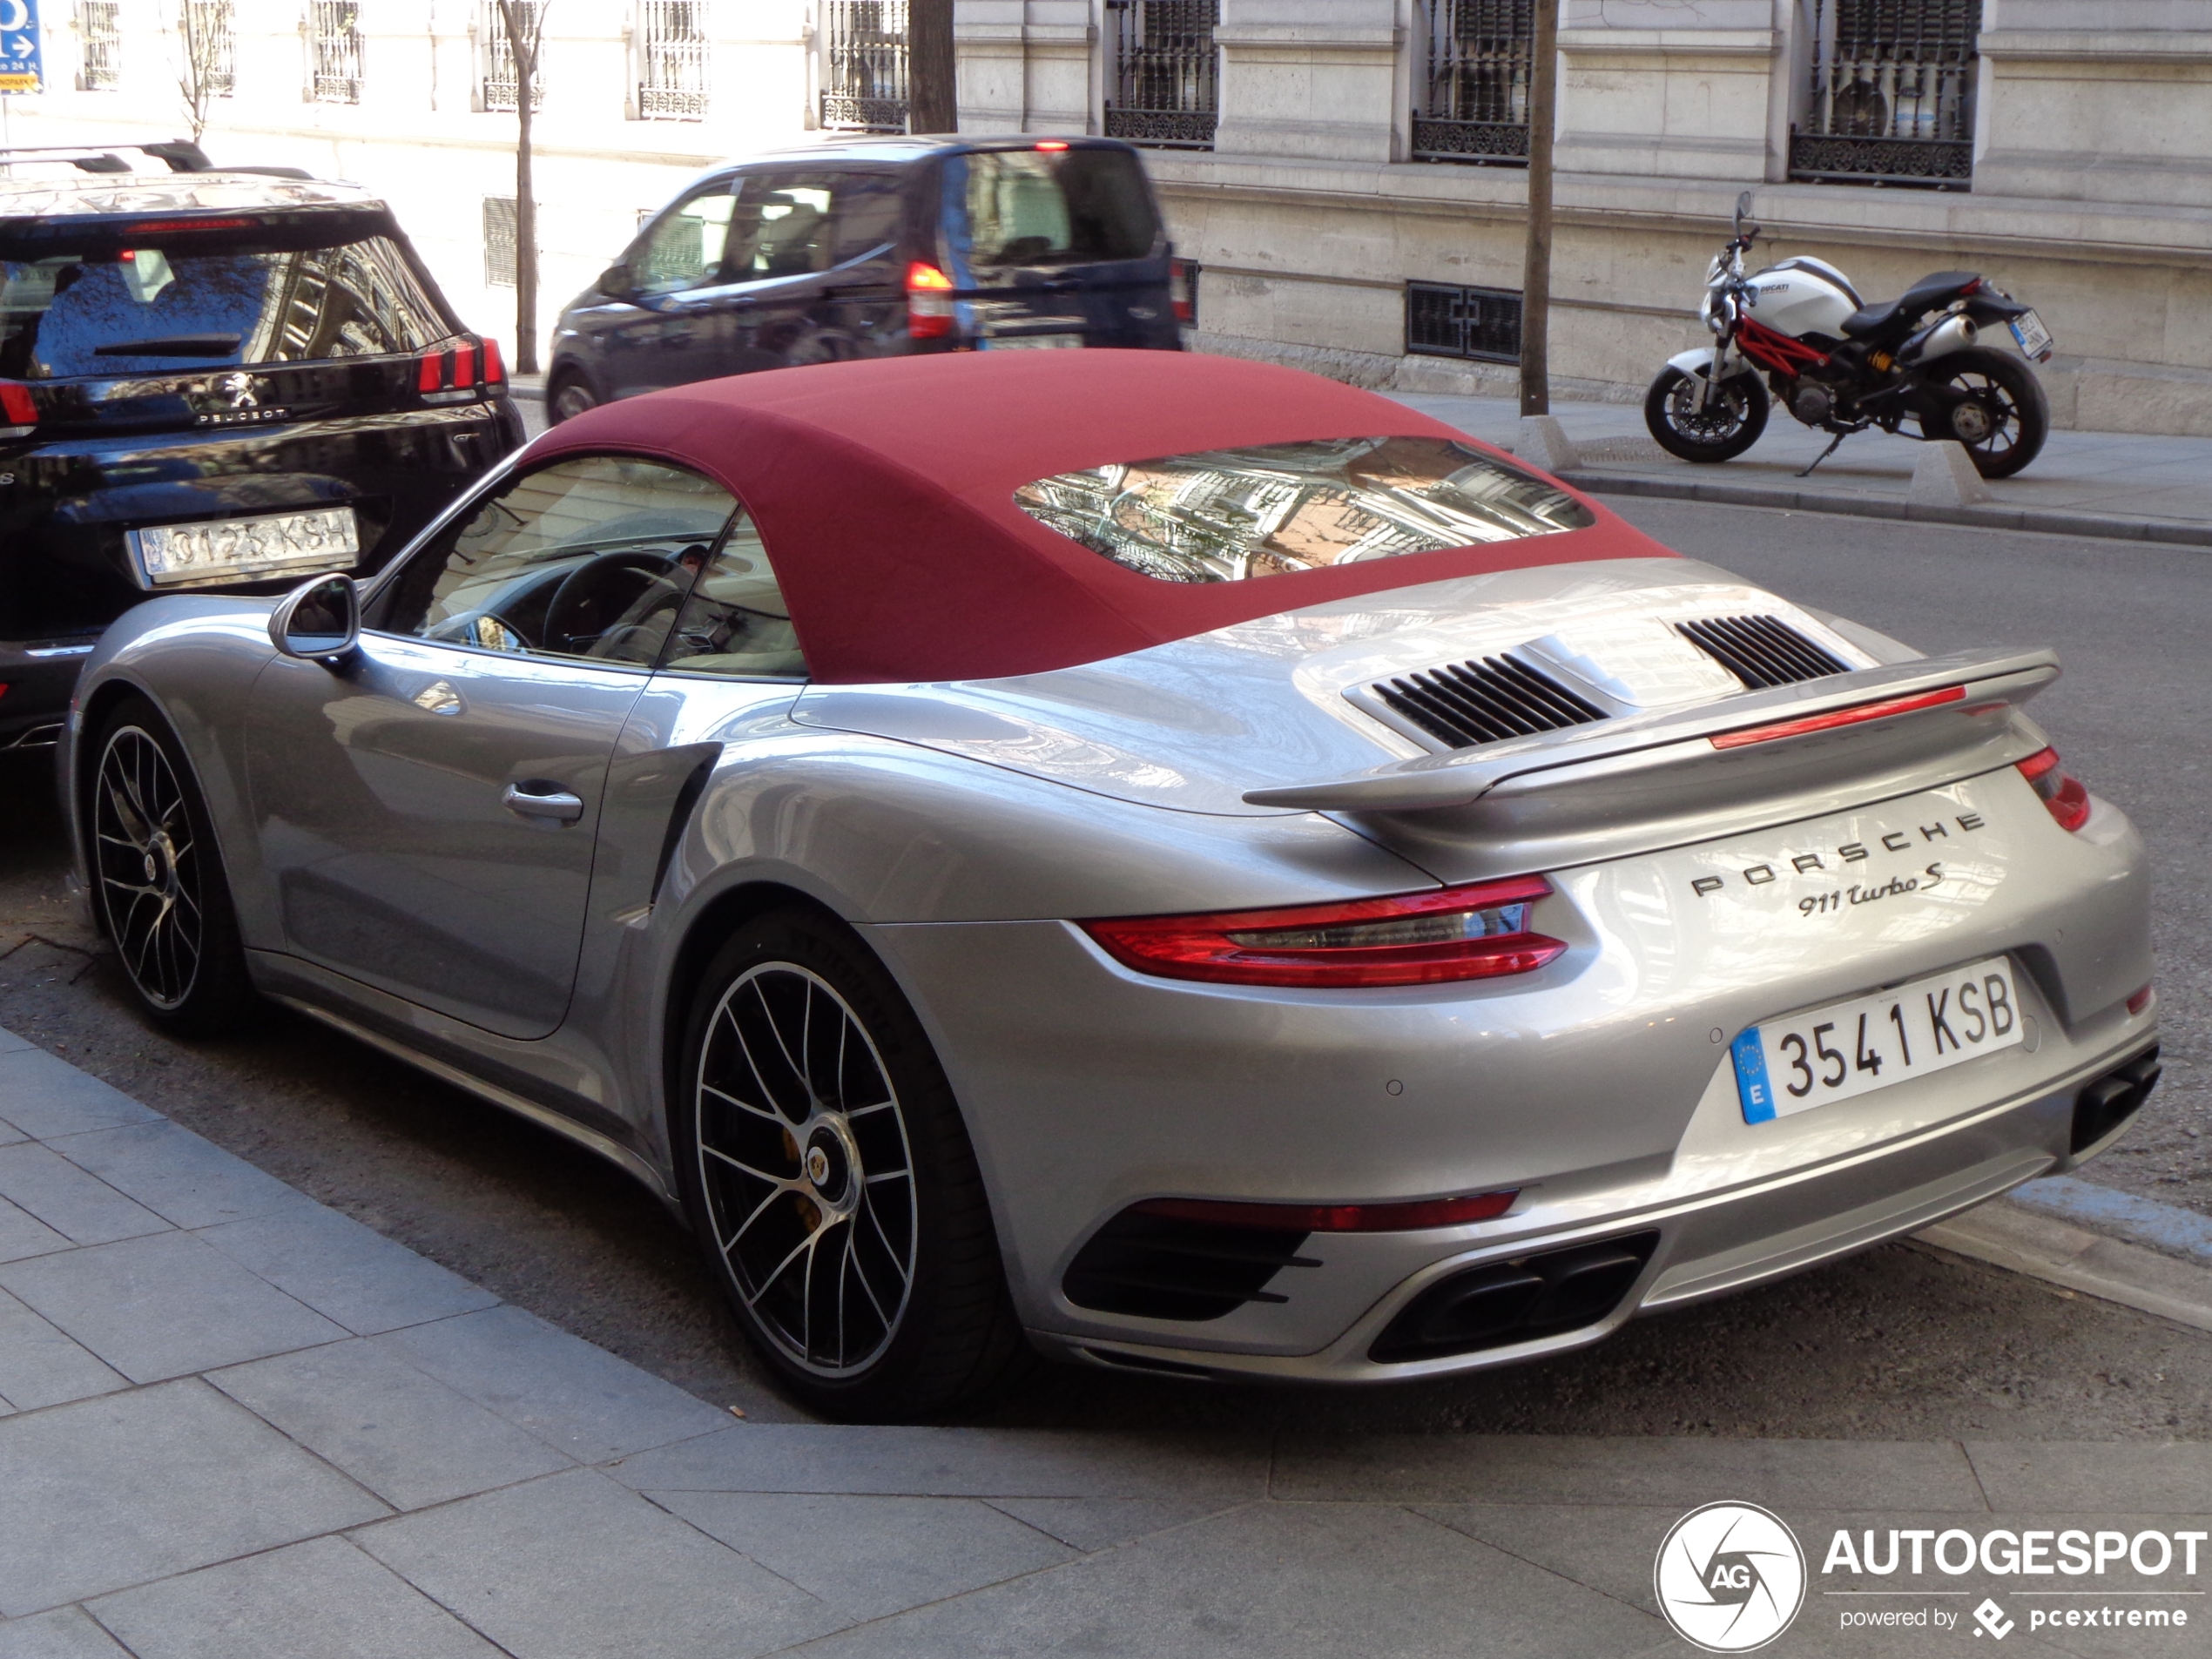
(873, 247)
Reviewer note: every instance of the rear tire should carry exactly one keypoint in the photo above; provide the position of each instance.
(568, 395)
(2014, 415)
(158, 889)
(1732, 421)
(828, 1176)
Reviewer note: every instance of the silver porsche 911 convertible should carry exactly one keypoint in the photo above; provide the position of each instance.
(1167, 861)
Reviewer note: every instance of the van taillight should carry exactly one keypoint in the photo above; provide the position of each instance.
(451, 374)
(17, 412)
(929, 302)
(1183, 289)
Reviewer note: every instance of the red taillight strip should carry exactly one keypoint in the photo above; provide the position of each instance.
(1408, 1216)
(1834, 718)
(2061, 792)
(17, 408)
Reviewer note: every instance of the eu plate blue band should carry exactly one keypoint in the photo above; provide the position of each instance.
(1751, 1085)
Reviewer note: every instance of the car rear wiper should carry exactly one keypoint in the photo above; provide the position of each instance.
(172, 345)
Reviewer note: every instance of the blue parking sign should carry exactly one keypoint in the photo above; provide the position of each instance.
(20, 70)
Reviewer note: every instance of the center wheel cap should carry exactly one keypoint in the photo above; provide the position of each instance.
(818, 1165)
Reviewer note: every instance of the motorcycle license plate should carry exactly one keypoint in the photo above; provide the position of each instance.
(1826, 1054)
(2033, 338)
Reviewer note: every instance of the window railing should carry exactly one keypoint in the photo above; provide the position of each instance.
(501, 85)
(1472, 101)
(1166, 75)
(100, 33)
(334, 52)
(1892, 99)
(672, 46)
(1444, 320)
(499, 241)
(864, 65)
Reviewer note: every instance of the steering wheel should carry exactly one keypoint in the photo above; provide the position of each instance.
(597, 593)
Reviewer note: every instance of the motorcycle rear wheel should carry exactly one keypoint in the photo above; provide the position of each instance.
(2009, 399)
(1731, 421)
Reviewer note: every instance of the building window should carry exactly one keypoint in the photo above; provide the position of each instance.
(206, 29)
(671, 52)
(864, 65)
(1893, 94)
(100, 33)
(334, 52)
(1166, 82)
(1472, 104)
(1443, 320)
(499, 241)
(501, 79)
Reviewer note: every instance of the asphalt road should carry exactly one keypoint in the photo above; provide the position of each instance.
(1899, 1343)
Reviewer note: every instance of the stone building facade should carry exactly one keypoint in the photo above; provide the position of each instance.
(2064, 147)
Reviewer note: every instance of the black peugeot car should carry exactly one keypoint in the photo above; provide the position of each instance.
(213, 380)
(875, 247)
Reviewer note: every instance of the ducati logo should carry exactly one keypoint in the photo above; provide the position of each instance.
(1730, 1577)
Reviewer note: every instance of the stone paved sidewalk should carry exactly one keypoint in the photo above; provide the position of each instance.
(2101, 483)
(237, 1425)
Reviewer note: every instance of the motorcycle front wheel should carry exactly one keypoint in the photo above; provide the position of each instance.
(1734, 416)
(2005, 416)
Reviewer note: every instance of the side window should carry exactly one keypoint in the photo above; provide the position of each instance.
(592, 557)
(685, 247)
(866, 212)
(735, 621)
(787, 225)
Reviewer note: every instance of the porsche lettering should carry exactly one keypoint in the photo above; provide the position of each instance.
(1848, 854)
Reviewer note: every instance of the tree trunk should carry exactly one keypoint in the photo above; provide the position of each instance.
(933, 103)
(1537, 269)
(525, 44)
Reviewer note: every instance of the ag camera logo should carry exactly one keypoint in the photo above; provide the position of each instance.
(1730, 1577)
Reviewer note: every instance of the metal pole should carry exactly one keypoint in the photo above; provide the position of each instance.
(1537, 269)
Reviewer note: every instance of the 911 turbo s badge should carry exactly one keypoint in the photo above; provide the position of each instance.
(1850, 852)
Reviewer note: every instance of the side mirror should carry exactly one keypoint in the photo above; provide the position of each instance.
(320, 621)
(614, 281)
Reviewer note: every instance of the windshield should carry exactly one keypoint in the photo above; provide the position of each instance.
(1230, 514)
(148, 310)
(1049, 207)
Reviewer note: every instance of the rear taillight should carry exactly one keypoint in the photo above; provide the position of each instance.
(2060, 791)
(450, 374)
(1409, 1216)
(1478, 932)
(495, 370)
(1183, 289)
(929, 302)
(18, 413)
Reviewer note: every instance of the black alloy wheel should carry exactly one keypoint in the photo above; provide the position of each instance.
(2004, 417)
(569, 396)
(158, 878)
(1732, 421)
(829, 1177)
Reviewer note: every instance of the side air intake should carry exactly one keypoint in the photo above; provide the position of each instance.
(1761, 651)
(1163, 1267)
(1466, 704)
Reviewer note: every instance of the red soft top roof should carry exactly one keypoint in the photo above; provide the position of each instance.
(884, 491)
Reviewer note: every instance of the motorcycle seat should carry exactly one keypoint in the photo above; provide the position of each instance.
(1926, 294)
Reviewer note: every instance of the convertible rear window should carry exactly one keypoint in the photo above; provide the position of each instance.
(1225, 514)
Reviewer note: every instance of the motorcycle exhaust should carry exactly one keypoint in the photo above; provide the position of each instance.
(1952, 333)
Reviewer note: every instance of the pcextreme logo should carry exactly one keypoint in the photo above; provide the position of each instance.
(1730, 1577)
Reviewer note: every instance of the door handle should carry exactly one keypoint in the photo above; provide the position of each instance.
(533, 798)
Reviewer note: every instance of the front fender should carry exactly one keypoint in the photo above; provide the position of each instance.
(1698, 360)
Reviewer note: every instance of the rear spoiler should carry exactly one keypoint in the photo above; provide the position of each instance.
(1782, 720)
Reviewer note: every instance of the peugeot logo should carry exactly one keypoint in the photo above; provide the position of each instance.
(233, 400)
(243, 390)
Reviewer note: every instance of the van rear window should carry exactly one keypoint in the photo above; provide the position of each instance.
(1230, 514)
(150, 310)
(1049, 207)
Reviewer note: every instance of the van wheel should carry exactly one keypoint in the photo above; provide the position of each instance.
(569, 396)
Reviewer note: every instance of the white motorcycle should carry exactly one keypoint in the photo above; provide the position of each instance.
(1843, 366)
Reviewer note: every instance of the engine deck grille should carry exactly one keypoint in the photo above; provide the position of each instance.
(1163, 1267)
(1484, 701)
(1760, 650)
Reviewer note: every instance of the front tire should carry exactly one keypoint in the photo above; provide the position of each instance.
(1732, 421)
(828, 1176)
(160, 890)
(2005, 424)
(569, 395)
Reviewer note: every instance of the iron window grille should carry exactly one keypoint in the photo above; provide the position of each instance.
(334, 51)
(1472, 101)
(100, 33)
(499, 241)
(1892, 93)
(1166, 74)
(501, 82)
(864, 65)
(1443, 320)
(209, 34)
(672, 80)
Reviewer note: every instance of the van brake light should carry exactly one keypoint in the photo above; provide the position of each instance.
(17, 411)
(929, 302)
